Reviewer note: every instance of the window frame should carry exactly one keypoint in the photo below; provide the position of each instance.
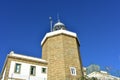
(73, 73)
(34, 72)
(15, 68)
(45, 70)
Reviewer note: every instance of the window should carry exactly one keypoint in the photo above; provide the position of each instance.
(44, 70)
(73, 70)
(32, 70)
(17, 68)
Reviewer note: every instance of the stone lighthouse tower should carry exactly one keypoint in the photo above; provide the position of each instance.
(60, 48)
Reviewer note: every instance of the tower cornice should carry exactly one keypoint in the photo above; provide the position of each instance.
(50, 34)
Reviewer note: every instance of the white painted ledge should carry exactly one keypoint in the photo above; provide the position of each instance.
(26, 57)
(58, 32)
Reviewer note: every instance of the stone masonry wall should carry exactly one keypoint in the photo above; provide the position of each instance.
(62, 52)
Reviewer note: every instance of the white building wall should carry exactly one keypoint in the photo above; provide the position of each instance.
(25, 72)
(102, 76)
(3, 74)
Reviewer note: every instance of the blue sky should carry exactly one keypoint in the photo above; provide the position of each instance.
(23, 24)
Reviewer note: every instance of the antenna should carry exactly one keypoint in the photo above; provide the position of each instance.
(50, 18)
(58, 17)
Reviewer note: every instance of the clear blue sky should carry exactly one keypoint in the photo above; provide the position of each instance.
(23, 24)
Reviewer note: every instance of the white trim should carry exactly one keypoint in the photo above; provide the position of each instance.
(58, 32)
(26, 57)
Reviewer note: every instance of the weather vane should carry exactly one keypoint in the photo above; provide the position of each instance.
(58, 17)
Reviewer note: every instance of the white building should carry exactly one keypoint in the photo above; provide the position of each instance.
(25, 68)
(102, 75)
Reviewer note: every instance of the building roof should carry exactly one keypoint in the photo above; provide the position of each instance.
(59, 25)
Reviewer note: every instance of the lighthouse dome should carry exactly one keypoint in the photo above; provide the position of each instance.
(58, 26)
